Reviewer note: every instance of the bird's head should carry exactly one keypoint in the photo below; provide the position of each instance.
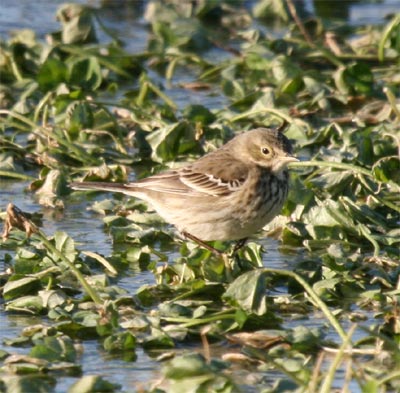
(264, 147)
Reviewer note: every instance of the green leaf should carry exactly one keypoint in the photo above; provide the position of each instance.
(28, 304)
(336, 182)
(19, 285)
(80, 116)
(86, 318)
(284, 69)
(52, 298)
(122, 341)
(77, 24)
(371, 386)
(93, 383)
(65, 244)
(181, 32)
(253, 253)
(271, 9)
(192, 373)
(174, 310)
(54, 349)
(52, 188)
(51, 74)
(324, 286)
(199, 114)
(387, 169)
(30, 383)
(330, 213)
(248, 292)
(85, 73)
(356, 78)
(186, 366)
(158, 339)
(170, 141)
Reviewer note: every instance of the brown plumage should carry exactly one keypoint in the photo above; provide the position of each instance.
(228, 194)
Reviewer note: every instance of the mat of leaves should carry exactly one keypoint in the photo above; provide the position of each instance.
(74, 107)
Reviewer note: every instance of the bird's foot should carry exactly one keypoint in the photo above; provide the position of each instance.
(239, 244)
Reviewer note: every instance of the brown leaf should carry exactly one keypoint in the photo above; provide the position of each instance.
(16, 358)
(256, 339)
(238, 357)
(196, 86)
(16, 218)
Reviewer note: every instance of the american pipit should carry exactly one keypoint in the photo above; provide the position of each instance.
(228, 194)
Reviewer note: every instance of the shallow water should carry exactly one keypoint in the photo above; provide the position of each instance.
(40, 16)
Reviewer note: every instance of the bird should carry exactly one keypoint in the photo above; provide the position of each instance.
(228, 194)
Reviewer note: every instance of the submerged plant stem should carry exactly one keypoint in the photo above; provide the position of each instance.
(327, 383)
(189, 322)
(15, 175)
(89, 290)
(392, 101)
(194, 322)
(18, 116)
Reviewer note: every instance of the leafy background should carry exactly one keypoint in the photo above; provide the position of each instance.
(316, 310)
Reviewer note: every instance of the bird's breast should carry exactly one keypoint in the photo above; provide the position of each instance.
(262, 200)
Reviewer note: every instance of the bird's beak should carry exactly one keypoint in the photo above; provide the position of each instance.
(283, 162)
(289, 158)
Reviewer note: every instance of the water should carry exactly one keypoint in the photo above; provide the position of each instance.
(129, 23)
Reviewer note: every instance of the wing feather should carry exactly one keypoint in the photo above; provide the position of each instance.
(209, 184)
(210, 175)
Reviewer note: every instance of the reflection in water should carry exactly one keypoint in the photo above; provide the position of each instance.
(333, 8)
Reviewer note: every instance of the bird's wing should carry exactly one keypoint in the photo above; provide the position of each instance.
(164, 182)
(211, 175)
(215, 174)
(208, 183)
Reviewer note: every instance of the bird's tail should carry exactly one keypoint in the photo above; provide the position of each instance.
(99, 186)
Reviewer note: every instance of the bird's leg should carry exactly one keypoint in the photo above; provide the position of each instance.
(239, 244)
(203, 244)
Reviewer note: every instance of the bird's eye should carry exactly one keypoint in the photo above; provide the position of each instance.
(265, 151)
